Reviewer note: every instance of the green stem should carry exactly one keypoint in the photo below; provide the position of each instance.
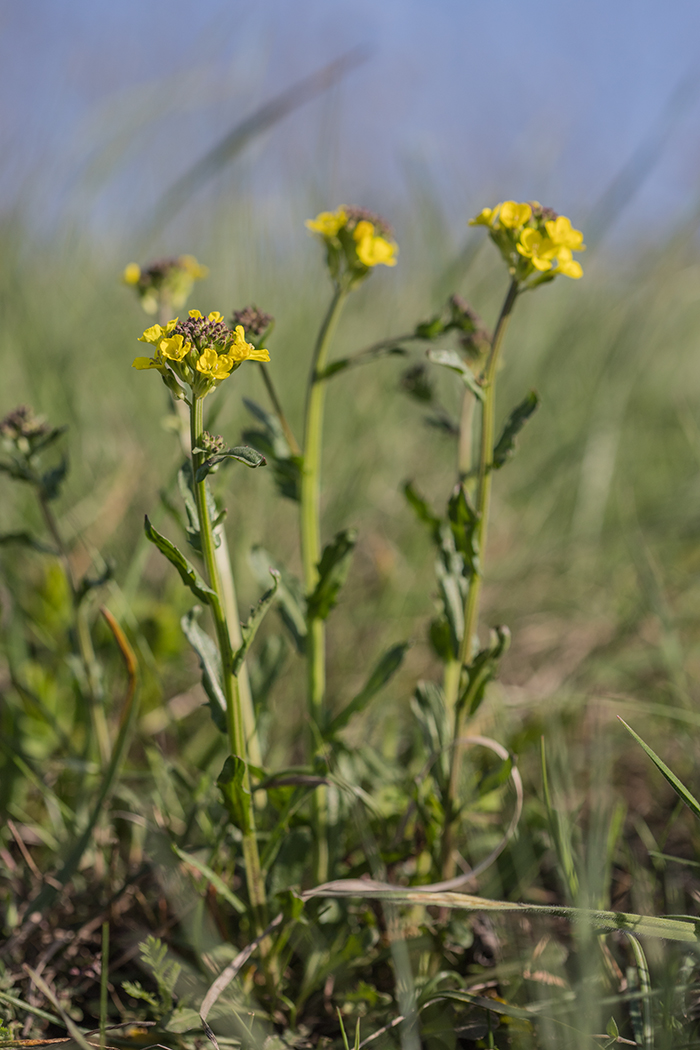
(311, 553)
(471, 605)
(234, 720)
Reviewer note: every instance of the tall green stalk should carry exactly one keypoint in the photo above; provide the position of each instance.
(234, 719)
(455, 670)
(311, 553)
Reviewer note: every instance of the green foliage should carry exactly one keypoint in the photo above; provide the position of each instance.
(333, 570)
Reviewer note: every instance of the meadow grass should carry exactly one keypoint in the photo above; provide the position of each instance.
(592, 562)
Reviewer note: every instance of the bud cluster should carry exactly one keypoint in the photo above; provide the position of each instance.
(166, 283)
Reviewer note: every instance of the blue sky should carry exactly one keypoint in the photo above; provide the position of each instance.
(546, 99)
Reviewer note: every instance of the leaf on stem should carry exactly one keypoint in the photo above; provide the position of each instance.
(25, 539)
(382, 673)
(210, 664)
(333, 569)
(188, 574)
(451, 359)
(231, 780)
(422, 510)
(243, 453)
(286, 467)
(51, 480)
(290, 595)
(482, 669)
(505, 446)
(463, 522)
(250, 627)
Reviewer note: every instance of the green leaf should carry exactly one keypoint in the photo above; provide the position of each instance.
(382, 673)
(286, 467)
(505, 446)
(560, 831)
(231, 781)
(250, 627)
(677, 785)
(422, 511)
(182, 1019)
(482, 669)
(451, 359)
(463, 522)
(333, 569)
(188, 574)
(290, 595)
(428, 705)
(210, 664)
(243, 453)
(450, 587)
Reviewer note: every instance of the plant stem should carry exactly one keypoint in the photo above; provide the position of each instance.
(234, 720)
(471, 605)
(311, 554)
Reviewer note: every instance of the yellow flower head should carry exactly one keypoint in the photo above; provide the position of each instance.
(200, 352)
(328, 223)
(486, 217)
(373, 249)
(514, 215)
(560, 231)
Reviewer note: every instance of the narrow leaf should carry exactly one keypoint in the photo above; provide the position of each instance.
(210, 664)
(243, 453)
(290, 595)
(463, 522)
(188, 574)
(382, 673)
(483, 669)
(451, 359)
(250, 627)
(680, 788)
(422, 510)
(216, 881)
(333, 569)
(505, 446)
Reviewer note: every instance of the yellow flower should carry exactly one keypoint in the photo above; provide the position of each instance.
(244, 351)
(328, 223)
(147, 362)
(513, 214)
(215, 317)
(131, 274)
(373, 249)
(563, 235)
(540, 250)
(174, 348)
(486, 217)
(568, 266)
(216, 366)
(156, 332)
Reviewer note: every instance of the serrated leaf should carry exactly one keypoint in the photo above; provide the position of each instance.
(242, 453)
(210, 665)
(463, 522)
(188, 574)
(451, 359)
(250, 627)
(422, 510)
(290, 595)
(333, 570)
(505, 446)
(382, 673)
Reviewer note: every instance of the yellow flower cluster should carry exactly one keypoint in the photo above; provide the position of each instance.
(200, 352)
(533, 239)
(355, 240)
(166, 283)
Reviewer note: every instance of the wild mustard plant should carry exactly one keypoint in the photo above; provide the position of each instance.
(193, 358)
(166, 284)
(536, 245)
